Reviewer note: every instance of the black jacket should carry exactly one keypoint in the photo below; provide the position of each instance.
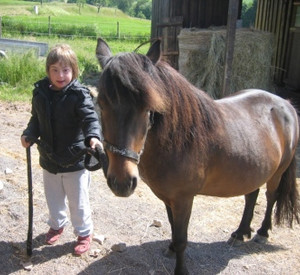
(65, 121)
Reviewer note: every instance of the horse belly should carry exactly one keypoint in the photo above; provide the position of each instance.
(230, 186)
(242, 171)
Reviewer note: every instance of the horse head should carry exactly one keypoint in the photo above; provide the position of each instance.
(126, 110)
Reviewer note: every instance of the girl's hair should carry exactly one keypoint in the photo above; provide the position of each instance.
(64, 54)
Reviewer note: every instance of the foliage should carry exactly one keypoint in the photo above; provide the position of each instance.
(141, 9)
(249, 13)
(17, 75)
(136, 8)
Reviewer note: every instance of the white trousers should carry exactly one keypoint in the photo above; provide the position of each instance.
(71, 187)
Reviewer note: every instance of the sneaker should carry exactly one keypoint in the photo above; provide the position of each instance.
(53, 235)
(83, 245)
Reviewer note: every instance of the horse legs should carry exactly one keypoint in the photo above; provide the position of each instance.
(244, 227)
(170, 217)
(179, 213)
(262, 233)
(271, 195)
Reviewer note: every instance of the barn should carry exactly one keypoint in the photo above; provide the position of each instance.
(281, 18)
(169, 17)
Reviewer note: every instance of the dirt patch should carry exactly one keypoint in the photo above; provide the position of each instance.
(127, 221)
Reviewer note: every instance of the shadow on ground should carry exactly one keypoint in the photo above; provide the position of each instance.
(210, 258)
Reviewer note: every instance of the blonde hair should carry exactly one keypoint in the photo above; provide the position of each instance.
(63, 53)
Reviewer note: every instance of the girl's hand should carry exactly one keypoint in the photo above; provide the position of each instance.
(94, 142)
(24, 142)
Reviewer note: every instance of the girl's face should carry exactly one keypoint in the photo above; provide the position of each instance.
(60, 75)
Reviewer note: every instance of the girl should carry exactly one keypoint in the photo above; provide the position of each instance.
(63, 117)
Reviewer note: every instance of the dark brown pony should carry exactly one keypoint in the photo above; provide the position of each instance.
(183, 143)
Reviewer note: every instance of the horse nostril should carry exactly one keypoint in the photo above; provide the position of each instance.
(133, 183)
(110, 181)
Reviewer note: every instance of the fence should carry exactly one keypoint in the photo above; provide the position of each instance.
(13, 25)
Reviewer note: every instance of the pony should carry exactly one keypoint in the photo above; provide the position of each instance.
(181, 142)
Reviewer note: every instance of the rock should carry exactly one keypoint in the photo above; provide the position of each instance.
(156, 223)
(99, 239)
(27, 265)
(120, 247)
(8, 171)
(95, 253)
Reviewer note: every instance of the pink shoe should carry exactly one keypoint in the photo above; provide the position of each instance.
(53, 235)
(83, 245)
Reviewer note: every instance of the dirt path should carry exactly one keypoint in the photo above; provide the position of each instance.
(127, 221)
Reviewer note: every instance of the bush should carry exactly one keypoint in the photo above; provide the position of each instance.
(18, 73)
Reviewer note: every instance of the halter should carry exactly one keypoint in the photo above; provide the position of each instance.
(123, 152)
(127, 152)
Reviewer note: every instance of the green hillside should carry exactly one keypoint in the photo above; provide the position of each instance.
(68, 19)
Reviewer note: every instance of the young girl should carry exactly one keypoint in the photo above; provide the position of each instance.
(63, 117)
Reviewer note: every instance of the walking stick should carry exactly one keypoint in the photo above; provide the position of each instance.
(30, 203)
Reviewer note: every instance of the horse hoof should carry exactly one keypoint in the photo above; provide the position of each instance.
(260, 239)
(168, 253)
(234, 242)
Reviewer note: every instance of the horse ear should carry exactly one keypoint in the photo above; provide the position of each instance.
(154, 52)
(103, 52)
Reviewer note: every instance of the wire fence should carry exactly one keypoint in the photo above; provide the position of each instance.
(108, 30)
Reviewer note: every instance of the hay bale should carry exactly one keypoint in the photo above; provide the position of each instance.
(202, 54)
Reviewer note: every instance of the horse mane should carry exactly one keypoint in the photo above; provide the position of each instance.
(184, 115)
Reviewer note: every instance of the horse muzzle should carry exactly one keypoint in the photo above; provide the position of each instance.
(122, 173)
(123, 188)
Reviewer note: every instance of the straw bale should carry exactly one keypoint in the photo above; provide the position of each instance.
(202, 55)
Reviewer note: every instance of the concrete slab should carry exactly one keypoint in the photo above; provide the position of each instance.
(21, 46)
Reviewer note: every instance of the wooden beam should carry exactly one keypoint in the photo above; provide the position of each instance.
(230, 39)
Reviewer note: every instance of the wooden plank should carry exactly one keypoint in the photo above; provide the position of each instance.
(230, 39)
(274, 19)
(278, 42)
(285, 38)
(268, 16)
(258, 15)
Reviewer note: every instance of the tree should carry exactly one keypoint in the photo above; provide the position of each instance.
(123, 5)
(99, 4)
(141, 9)
(80, 4)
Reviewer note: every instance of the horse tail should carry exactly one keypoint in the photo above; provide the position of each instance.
(288, 205)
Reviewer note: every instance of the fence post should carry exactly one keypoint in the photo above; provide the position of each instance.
(118, 30)
(49, 25)
(0, 27)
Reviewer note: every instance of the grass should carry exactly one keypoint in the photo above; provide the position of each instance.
(18, 73)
